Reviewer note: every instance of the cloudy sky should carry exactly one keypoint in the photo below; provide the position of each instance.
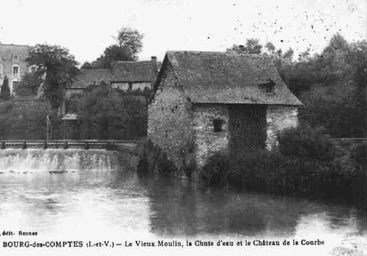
(86, 27)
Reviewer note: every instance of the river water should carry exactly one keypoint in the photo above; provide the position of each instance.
(94, 198)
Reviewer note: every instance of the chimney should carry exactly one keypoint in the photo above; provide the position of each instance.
(153, 60)
(154, 63)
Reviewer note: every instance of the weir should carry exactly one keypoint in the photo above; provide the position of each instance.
(83, 144)
(23, 161)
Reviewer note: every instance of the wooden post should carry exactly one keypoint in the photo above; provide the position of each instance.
(64, 130)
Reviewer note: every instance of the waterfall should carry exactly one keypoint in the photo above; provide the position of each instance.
(57, 160)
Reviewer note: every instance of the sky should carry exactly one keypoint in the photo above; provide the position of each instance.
(87, 27)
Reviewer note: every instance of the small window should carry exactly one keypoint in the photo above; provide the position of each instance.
(33, 69)
(16, 58)
(268, 86)
(218, 125)
(15, 71)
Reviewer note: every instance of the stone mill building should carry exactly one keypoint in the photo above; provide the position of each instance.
(208, 102)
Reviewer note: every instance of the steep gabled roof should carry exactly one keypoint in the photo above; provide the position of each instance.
(217, 77)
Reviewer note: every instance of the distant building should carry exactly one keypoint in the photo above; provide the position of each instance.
(13, 64)
(123, 75)
(208, 102)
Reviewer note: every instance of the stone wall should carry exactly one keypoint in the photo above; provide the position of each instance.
(277, 119)
(169, 120)
(207, 141)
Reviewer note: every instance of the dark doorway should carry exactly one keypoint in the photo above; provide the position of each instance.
(247, 128)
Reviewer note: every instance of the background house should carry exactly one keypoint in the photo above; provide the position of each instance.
(207, 102)
(123, 75)
(132, 82)
(13, 64)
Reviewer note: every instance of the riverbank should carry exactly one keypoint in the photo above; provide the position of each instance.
(307, 163)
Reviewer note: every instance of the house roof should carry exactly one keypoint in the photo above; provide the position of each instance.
(87, 77)
(133, 71)
(121, 71)
(7, 51)
(224, 78)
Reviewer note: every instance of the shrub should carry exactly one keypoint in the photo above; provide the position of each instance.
(110, 114)
(306, 142)
(273, 172)
(28, 85)
(6, 107)
(165, 166)
(153, 159)
(143, 165)
(23, 120)
(216, 170)
(5, 90)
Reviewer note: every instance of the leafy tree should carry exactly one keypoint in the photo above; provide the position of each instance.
(28, 85)
(288, 54)
(20, 120)
(304, 56)
(252, 47)
(357, 58)
(58, 68)
(86, 65)
(306, 142)
(131, 40)
(108, 114)
(336, 95)
(270, 47)
(111, 54)
(5, 90)
(337, 44)
(128, 45)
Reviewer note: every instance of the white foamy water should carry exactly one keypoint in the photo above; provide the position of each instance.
(56, 160)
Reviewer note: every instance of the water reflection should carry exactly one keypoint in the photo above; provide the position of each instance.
(119, 204)
(181, 208)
